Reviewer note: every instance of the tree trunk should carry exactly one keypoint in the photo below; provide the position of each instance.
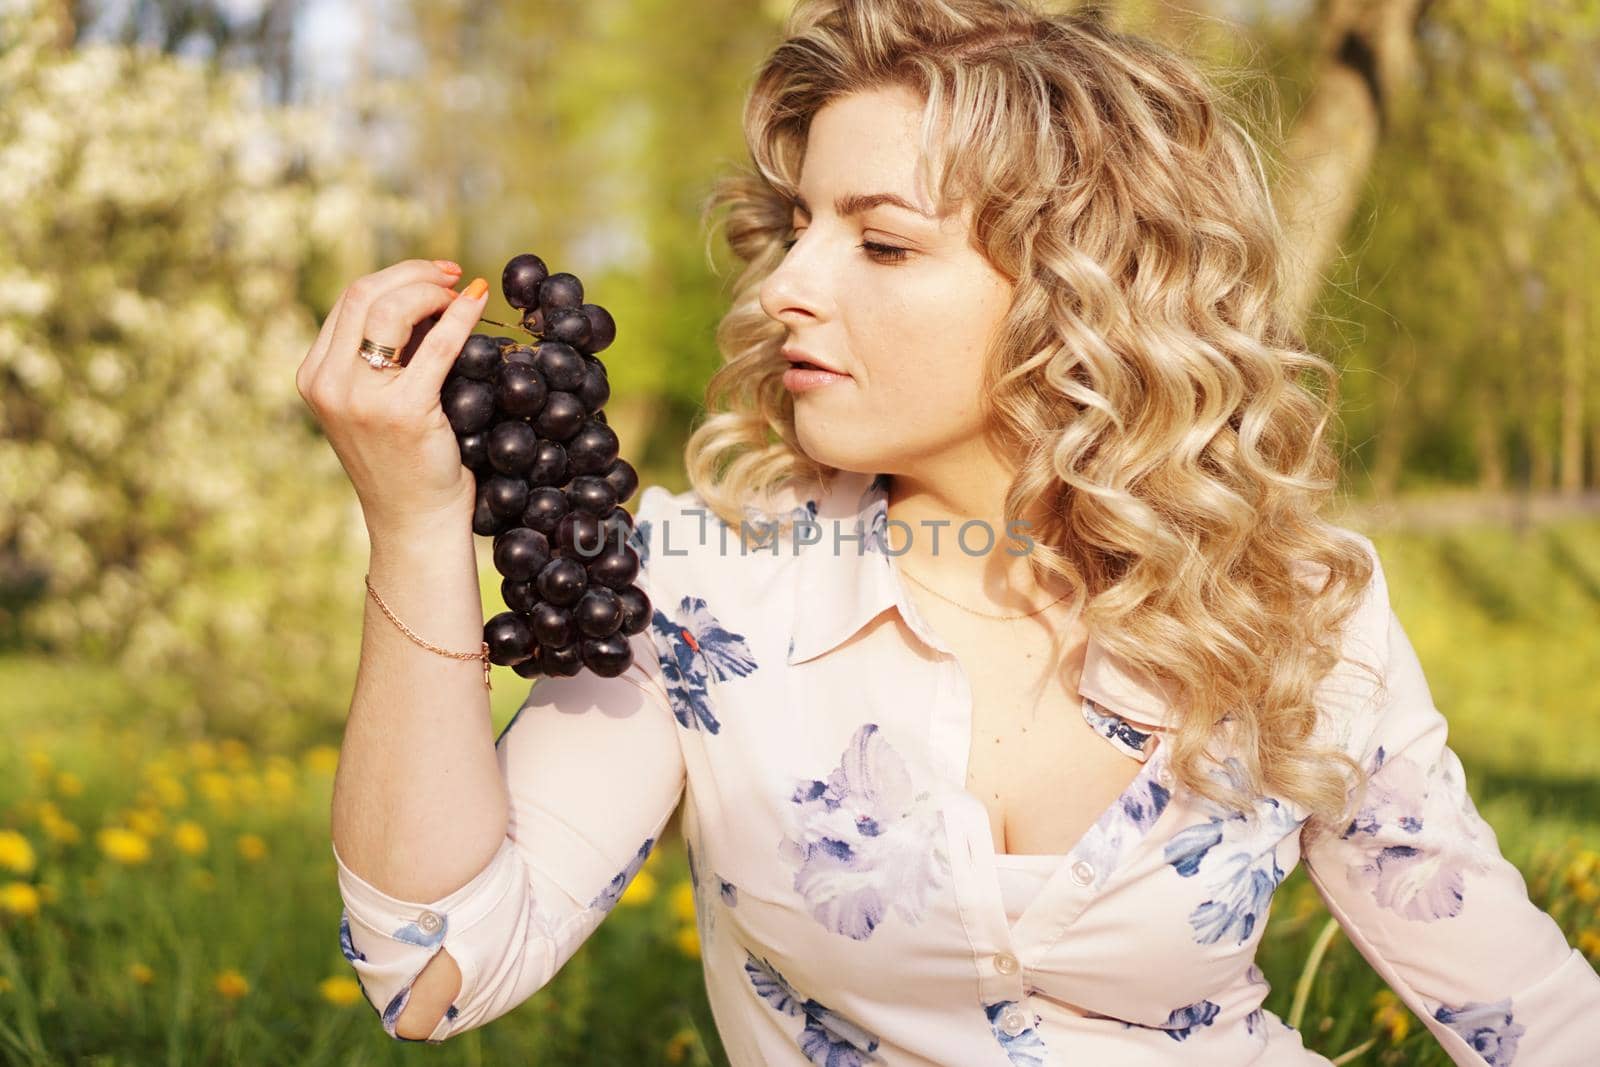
(1573, 360)
(1364, 81)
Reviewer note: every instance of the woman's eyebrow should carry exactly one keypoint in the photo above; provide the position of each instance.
(856, 203)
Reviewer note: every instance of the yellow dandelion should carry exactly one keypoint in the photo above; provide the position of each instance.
(642, 890)
(62, 830)
(1390, 1015)
(16, 853)
(1589, 944)
(216, 787)
(252, 847)
(322, 759)
(69, 784)
(231, 984)
(683, 902)
(235, 753)
(190, 837)
(1583, 865)
(202, 754)
(141, 973)
(340, 989)
(148, 821)
(41, 763)
(124, 845)
(169, 792)
(1587, 892)
(687, 938)
(5, 984)
(678, 1045)
(247, 787)
(19, 898)
(280, 783)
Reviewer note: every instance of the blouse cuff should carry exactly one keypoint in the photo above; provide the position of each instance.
(389, 941)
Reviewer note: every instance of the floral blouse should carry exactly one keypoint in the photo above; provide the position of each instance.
(847, 900)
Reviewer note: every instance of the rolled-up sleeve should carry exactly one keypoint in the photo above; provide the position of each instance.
(1419, 885)
(594, 773)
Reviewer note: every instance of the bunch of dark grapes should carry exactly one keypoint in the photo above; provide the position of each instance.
(529, 421)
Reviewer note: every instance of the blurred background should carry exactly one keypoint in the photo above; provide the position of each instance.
(186, 186)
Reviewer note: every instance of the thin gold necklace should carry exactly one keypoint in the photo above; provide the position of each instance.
(975, 611)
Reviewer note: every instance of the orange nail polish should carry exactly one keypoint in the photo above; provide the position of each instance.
(447, 266)
(478, 287)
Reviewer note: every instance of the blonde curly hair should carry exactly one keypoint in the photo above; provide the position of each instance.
(1169, 420)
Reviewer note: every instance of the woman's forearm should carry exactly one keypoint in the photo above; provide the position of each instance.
(419, 805)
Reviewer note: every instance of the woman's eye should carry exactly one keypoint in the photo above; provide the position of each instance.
(880, 252)
(887, 253)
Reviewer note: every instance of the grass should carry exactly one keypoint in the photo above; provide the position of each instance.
(219, 945)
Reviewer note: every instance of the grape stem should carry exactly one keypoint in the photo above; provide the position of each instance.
(510, 326)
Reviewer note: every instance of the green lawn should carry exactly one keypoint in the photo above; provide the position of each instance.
(132, 960)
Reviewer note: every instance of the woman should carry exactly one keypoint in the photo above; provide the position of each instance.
(999, 751)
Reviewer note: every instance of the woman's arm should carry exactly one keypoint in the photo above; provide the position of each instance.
(1419, 885)
(489, 862)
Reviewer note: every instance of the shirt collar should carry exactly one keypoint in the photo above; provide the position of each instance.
(846, 578)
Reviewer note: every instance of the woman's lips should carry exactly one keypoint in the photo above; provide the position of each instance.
(801, 378)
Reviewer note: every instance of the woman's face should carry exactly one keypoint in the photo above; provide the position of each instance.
(910, 327)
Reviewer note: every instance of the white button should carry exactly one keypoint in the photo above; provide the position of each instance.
(1082, 872)
(1005, 963)
(428, 922)
(1012, 1021)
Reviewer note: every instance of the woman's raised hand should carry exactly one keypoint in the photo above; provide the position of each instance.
(386, 425)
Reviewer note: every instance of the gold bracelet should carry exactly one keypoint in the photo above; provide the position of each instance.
(482, 653)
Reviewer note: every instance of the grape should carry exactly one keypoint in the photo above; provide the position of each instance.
(479, 358)
(561, 416)
(522, 279)
(592, 448)
(521, 553)
(563, 368)
(636, 609)
(529, 421)
(591, 495)
(510, 639)
(598, 612)
(560, 291)
(513, 446)
(521, 390)
(602, 327)
(467, 403)
(562, 581)
(606, 656)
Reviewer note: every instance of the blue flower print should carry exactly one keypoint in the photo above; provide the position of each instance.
(1242, 879)
(1181, 1022)
(1024, 1048)
(1252, 1022)
(873, 527)
(828, 1039)
(863, 841)
(412, 934)
(1122, 826)
(608, 897)
(639, 540)
(391, 1014)
(1116, 729)
(346, 944)
(1437, 833)
(1487, 1027)
(696, 648)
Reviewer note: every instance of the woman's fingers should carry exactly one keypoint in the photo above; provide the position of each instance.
(437, 353)
(356, 304)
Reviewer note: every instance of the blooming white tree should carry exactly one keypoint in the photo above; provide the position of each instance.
(168, 243)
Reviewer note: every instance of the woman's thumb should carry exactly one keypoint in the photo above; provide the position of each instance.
(437, 354)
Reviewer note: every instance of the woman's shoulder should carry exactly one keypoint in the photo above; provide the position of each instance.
(684, 543)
